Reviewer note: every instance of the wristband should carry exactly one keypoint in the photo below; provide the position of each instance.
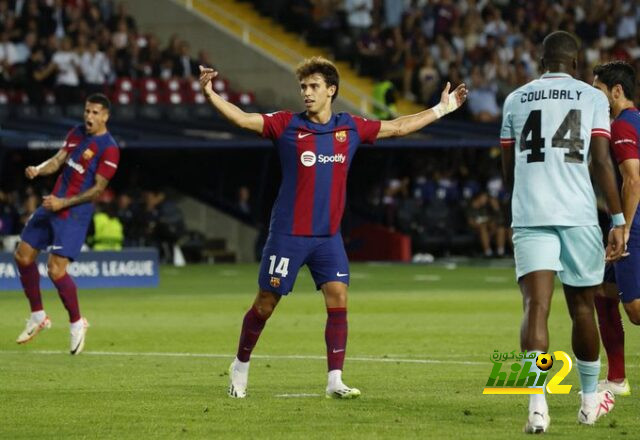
(440, 110)
(618, 219)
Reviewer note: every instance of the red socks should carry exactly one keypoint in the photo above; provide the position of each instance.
(335, 335)
(612, 335)
(30, 279)
(252, 326)
(69, 296)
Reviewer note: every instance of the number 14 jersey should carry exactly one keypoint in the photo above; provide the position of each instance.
(549, 122)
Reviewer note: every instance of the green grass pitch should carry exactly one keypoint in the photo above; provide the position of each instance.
(420, 339)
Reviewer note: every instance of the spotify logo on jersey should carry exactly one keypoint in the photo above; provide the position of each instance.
(308, 158)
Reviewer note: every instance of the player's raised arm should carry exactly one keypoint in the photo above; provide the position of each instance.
(47, 167)
(235, 115)
(604, 175)
(404, 125)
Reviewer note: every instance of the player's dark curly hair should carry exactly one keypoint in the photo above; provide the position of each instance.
(618, 72)
(322, 66)
(99, 98)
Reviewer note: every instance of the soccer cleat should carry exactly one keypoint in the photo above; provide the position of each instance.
(537, 423)
(78, 337)
(617, 388)
(32, 329)
(342, 392)
(237, 382)
(589, 416)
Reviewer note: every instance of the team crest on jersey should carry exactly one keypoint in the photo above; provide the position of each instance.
(87, 154)
(274, 282)
(341, 136)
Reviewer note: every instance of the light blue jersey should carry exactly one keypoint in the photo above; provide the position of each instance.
(549, 122)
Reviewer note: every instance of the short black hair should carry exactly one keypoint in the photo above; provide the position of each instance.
(99, 98)
(560, 47)
(618, 72)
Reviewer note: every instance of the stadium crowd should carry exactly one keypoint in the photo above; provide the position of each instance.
(490, 45)
(62, 50)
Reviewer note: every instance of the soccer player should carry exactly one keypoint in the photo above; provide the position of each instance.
(89, 159)
(550, 128)
(617, 80)
(316, 148)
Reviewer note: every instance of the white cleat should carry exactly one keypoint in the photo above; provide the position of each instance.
(238, 381)
(589, 416)
(538, 422)
(78, 337)
(32, 329)
(617, 388)
(342, 392)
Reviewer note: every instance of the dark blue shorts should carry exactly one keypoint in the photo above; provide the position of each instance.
(284, 255)
(45, 230)
(626, 275)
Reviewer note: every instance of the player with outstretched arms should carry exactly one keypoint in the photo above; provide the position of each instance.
(89, 159)
(617, 80)
(316, 148)
(551, 128)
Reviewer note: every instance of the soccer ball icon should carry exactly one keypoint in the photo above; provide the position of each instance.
(544, 361)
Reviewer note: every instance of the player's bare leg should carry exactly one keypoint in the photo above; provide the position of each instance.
(252, 325)
(25, 257)
(607, 303)
(57, 269)
(335, 334)
(537, 290)
(586, 346)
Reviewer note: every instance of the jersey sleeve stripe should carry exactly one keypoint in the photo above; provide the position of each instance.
(507, 142)
(601, 132)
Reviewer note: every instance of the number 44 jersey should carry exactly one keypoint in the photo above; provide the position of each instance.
(550, 122)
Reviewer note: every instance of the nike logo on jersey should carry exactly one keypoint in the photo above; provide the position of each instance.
(338, 351)
(55, 248)
(342, 274)
(303, 135)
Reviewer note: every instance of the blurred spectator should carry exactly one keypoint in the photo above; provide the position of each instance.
(243, 203)
(384, 100)
(107, 230)
(184, 66)
(165, 223)
(482, 98)
(359, 16)
(485, 217)
(67, 63)
(95, 68)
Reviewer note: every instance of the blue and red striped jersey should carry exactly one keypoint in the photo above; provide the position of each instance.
(86, 156)
(315, 159)
(625, 134)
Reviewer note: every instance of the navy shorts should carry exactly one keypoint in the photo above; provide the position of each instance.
(46, 230)
(284, 255)
(625, 273)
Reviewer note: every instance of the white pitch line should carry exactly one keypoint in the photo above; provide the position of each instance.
(427, 278)
(298, 395)
(255, 356)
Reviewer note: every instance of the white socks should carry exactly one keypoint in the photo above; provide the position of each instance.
(241, 367)
(38, 316)
(75, 326)
(335, 379)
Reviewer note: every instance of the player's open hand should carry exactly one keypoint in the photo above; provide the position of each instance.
(31, 172)
(52, 203)
(616, 246)
(450, 102)
(206, 77)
